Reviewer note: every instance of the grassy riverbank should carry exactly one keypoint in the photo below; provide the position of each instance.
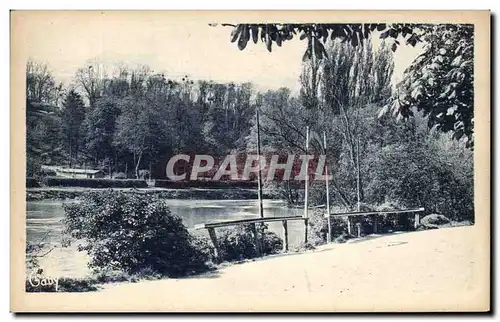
(63, 193)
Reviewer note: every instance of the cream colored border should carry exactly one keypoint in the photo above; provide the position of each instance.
(23, 302)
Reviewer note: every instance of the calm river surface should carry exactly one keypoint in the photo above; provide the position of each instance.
(45, 217)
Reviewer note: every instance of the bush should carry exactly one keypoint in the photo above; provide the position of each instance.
(318, 227)
(426, 175)
(271, 243)
(128, 232)
(120, 175)
(112, 276)
(76, 285)
(386, 223)
(238, 243)
(434, 221)
(302, 247)
(342, 238)
(95, 183)
(204, 245)
(32, 183)
(143, 174)
(318, 224)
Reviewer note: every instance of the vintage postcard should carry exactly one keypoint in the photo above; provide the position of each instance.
(295, 161)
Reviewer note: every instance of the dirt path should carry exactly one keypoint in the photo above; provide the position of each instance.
(431, 270)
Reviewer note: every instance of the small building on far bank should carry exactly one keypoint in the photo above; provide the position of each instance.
(77, 173)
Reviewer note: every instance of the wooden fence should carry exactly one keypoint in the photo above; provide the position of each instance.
(284, 220)
(416, 212)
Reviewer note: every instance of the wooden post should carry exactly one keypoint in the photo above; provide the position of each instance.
(358, 176)
(285, 235)
(256, 239)
(358, 226)
(306, 181)
(375, 228)
(348, 226)
(213, 238)
(329, 235)
(417, 220)
(259, 174)
(259, 192)
(305, 230)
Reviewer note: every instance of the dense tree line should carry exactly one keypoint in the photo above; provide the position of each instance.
(130, 121)
(374, 157)
(439, 82)
(133, 121)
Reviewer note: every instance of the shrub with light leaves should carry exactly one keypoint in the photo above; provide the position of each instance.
(439, 82)
(130, 232)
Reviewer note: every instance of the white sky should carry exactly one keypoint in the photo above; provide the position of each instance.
(177, 48)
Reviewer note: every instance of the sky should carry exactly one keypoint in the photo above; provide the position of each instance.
(177, 47)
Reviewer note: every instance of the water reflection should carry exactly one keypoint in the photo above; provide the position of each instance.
(45, 217)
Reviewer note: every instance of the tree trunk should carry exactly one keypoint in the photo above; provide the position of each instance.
(149, 170)
(70, 153)
(358, 180)
(343, 198)
(137, 165)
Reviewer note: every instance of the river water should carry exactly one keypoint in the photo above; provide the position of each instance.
(43, 220)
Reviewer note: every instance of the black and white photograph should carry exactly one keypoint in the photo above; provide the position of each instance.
(250, 162)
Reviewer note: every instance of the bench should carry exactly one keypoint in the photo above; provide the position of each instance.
(253, 221)
(210, 227)
(416, 211)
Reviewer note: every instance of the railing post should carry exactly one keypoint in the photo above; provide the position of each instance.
(285, 235)
(375, 228)
(213, 238)
(256, 239)
(348, 226)
(305, 230)
(358, 226)
(417, 220)
(329, 234)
